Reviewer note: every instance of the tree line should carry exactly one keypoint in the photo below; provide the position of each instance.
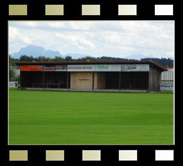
(25, 58)
(166, 62)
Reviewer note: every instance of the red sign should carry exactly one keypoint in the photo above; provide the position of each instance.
(31, 67)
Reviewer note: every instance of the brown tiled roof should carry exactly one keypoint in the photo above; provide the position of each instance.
(169, 67)
(164, 68)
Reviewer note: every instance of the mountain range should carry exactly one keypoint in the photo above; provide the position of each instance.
(35, 51)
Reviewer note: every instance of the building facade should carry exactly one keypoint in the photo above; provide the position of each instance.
(167, 80)
(126, 76)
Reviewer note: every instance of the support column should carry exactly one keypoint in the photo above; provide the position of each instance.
(119, 80)
(20, 80)
(67, 80)
(92, 80)
(43, 79)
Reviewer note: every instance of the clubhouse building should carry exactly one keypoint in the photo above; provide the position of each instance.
(123, 76)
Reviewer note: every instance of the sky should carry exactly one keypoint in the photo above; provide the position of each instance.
(96, 38)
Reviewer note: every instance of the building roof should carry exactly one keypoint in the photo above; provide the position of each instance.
(94, 62)
(169, 68)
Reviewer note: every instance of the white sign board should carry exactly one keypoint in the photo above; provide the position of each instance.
(166, 87)
(81, 68)
(109, 68)
(100, 67)
(134, 67)
(13, 84)
(55, 67)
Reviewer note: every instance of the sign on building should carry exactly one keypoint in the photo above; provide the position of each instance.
(166, 87)
(55, 67)
(108, 68)
(87, 68)
(134, 67)
(13, 84)
(81, 67)
(31, 67)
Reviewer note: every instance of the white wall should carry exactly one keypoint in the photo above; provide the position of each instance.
(167, 75)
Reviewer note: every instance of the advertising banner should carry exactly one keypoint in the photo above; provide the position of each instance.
(93, 68)
(31, 67)
(108, 68)
(134, 67)
(55, 67)
(81, 68)
(166, 87)
(13, 84)
(88, 68)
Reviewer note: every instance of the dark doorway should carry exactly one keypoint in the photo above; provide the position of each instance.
(55, 79)
(31, 79)
(45, 79)
(112, 80)
(134, 80)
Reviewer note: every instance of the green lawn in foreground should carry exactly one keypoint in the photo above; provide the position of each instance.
(86, 118)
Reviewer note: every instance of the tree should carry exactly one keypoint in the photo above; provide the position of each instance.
(171, 65)
(11, 68)
(40, 58)
(44, 59)
(58, 59)
(68, 58)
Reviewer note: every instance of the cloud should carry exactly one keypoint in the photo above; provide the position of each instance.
(78, 41)
(56, 24)
(12, 33)
(17, 39)
(108, 38)
(169, 53)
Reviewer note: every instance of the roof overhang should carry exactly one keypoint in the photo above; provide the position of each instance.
(93, 62)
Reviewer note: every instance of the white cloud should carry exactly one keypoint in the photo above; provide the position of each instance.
(12, 33)
(30, 24)
(77, 41)
(109, 38)
(17, 39)
(169, 53)
(56, 24)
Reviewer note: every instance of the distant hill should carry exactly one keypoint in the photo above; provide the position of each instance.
(136, 56)
(32, 50)
(166, 62)
(76, 56)
(35, 53)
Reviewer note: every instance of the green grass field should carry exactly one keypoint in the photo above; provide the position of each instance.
(86, 118)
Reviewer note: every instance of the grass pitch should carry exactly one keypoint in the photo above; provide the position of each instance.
(85, 118)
